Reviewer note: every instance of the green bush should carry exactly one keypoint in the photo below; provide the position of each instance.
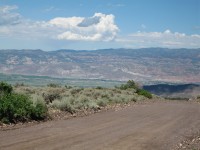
(132, 84)
(5, 88)
(39, 111)
(129, 85)
(144, 93)
(53, 85)
(68, 87)
(99, 87)
(18, 107)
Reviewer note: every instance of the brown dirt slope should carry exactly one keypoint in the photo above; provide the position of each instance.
(159, 125)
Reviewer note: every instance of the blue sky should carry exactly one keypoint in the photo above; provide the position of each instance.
(98, 24)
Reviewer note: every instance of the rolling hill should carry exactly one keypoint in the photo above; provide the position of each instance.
(145, 65)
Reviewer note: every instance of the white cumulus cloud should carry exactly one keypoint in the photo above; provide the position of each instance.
(100, 27)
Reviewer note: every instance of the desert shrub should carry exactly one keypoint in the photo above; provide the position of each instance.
(123, 87)
(129, 85)
(53, 85)
(99, 87)
(5, 88)
(117, 90)
(177, 98)
(35, 98)
(198, 97)
(50, 94)
(126, 98)
(39, 111)
(83, 102)
(74, 91)
(24, 90)
(93, 105)
(96, 94)
(86, 92)
(132, 84)
(122, 98)
(19, 84)
(144, 93)
(102, 102)
(116, 99)
(19, 107)
(105, 94)
(64, 104)
(50, 97)
(68, 87)
(140, 98)
(133, 98)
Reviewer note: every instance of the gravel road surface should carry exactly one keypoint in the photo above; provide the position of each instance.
(154, 126)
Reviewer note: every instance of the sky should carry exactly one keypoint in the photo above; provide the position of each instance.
(99, 24)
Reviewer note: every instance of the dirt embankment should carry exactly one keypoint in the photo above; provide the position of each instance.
(159, 125)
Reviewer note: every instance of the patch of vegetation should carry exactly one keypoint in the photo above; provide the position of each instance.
(99, 87)
(68, 86)
(129, 85)
(19, 107)
(33, 103)
(144, 93)
(177, 98)
(198, 98)
(50, 97)
(134, 86)
(63, 104)
(53, 85)
(5, 88)
(19, 84)
(75, 90)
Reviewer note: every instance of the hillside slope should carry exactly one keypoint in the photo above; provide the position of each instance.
(150, 64)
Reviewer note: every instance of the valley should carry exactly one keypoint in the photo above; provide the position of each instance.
(150, 65)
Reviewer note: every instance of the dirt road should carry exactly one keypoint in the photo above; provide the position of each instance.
(159, 125)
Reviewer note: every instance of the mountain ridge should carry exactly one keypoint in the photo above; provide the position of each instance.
(144, 65)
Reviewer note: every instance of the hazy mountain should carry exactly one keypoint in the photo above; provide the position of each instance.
(149, 64)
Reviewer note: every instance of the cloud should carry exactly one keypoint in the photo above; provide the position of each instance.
(66, 23)
(8, 16)
(161, 39)
(89, 21)
(99, 27)
(73, 36)
(51, 8)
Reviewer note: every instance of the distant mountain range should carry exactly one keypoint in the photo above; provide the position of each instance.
(143, 65)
